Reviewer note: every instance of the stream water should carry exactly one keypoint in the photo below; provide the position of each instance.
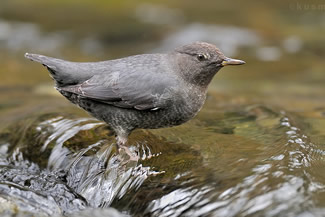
(255, 149)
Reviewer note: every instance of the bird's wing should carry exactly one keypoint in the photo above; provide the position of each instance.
(138, 90)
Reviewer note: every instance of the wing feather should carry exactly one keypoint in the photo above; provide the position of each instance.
(139, 88)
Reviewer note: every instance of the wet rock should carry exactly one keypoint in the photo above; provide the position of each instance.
(108, 212)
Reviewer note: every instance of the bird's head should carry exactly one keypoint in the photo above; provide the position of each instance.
(200, 61)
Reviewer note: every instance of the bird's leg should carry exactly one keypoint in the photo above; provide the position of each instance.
(120, 142)
(120, 145)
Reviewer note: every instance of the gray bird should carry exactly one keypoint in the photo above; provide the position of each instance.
(143, 91)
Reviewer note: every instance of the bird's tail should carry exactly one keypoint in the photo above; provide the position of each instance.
(63, 72)
(37, 57)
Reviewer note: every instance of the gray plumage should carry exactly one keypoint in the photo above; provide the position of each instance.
(141, 91)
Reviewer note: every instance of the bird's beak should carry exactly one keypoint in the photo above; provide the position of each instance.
(228, 61)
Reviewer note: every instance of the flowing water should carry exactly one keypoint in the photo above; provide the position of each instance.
(230, 161)
(257, 147)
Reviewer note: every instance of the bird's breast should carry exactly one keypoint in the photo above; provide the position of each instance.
(191, 103)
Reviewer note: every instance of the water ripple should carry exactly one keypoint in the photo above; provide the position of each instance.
(99, 177)
(270, 173)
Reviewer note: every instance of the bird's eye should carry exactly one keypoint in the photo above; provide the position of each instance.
(202, 57)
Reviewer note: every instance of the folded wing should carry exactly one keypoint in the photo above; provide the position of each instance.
(138, 90)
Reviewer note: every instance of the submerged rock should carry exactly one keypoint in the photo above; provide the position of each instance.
(236, 162)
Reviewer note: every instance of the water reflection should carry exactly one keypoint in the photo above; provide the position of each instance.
(280, 183)
(276, 181)
(271, 174)
(95, 172)
(93, 175)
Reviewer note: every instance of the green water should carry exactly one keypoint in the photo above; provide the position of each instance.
(255, 149)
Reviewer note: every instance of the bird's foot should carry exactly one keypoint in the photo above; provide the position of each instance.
(125, 151)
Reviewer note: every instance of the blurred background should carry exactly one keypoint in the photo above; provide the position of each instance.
(282, 43)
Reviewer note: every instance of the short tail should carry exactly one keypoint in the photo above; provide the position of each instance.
(63, 72)
(35, 57)
(46, 61)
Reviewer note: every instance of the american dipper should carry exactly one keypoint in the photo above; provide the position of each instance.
(142, 91)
